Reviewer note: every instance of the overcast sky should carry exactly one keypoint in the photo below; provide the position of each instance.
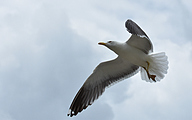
(49, 47)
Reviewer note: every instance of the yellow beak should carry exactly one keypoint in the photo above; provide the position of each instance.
(102, 43)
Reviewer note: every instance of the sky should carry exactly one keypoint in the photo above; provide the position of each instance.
(49, 48)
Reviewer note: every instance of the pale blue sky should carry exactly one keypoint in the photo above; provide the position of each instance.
(49, 48)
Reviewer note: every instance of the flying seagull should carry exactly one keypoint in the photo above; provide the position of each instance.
(133, 55)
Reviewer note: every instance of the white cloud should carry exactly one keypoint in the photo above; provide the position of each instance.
(39, 76)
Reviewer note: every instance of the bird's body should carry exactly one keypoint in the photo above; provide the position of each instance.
(132, 55)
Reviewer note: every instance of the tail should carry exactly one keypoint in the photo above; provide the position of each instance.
(158, 66)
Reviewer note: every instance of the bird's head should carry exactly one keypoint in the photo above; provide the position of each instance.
(113, 45)
(108, 44)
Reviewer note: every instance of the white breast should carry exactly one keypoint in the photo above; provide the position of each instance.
(132, 54)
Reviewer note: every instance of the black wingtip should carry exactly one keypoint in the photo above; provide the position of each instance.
(79, 102)
(134, 29)
(128, 21)
(70, 113)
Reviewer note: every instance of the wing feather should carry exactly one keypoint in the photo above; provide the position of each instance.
(104, 75)
(139, 38)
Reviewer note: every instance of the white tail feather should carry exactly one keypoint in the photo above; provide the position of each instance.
(158, 65)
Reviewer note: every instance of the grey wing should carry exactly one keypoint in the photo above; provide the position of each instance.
(105, 74)
(139, 38)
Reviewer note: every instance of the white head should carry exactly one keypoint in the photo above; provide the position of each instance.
(113, 45)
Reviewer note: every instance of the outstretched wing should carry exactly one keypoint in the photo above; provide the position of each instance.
(105, 74)
(139, 38)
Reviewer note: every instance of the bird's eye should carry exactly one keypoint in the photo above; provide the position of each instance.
(109, 41)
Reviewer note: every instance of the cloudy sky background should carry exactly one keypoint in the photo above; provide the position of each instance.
(49, 48)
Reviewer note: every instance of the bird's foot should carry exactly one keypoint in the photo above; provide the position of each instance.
(152, 77)
(149, 75)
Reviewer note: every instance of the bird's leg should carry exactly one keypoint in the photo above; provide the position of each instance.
(147, 65)
(150, 76)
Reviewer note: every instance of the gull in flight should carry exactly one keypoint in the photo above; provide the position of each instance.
(133, 55)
